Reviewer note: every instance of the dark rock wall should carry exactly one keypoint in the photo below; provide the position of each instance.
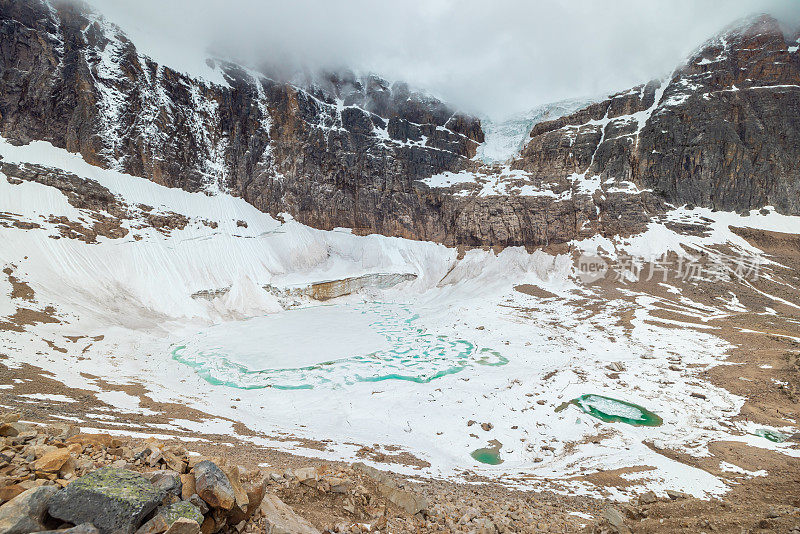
(725, 132)
(733, 140)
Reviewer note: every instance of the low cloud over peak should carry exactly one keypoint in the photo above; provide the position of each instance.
(492, 58)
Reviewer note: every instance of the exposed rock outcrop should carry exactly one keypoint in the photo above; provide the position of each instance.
(722, 132)
(727, 134)
(69, 77)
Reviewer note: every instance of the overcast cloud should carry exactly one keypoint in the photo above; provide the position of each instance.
(492, 57)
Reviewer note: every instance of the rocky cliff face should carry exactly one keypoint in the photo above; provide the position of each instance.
(722, 132)
(342, 152)
(358, 152)
(728, 131)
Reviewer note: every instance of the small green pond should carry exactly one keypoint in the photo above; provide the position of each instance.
(614, 410)
(489, 455)
(772, 435)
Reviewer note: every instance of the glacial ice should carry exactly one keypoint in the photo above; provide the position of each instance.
(328, 345)
(506, 137)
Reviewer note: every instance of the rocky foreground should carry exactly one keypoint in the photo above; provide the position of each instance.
(56, 479)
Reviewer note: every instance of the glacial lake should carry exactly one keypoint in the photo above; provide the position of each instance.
(328, 346)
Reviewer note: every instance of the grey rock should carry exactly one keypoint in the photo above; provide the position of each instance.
(290, 148)
(648, 498)
(167, 481)
(184, 526)
(26, 512)
(675, 495)
(485, 525)
(199, 503)
(63, 430)
(84, 528)
(183, 509)
(213, 486)
(315, 144)
(469, 515)
(407, 500)
(113, 500)
(615, 520)
(339, 485)
(167, 515)
(281, 519)
(14, 429)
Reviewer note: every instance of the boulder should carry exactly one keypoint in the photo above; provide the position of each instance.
(167, 481)
(67, 470)
(614, 519)
(213, 485)
(188, 487)
(407, 500)
(339, 485)
(675, 495)
(13, 429)
(281, 519)
(184, 526)
(9, 492)
(168, 515)
(194, 460)
(85, 528)
(469, 515)
(62, 431)
(199, 503)
(307, 475)
(156, 455)
(114, 500)
(215, 521)
(174, 462)
(156, 525)
(9, 417)
(53, 461)
(648, 498)
(25, 512)
(255, 494)
(241, 501)
(181, 510)
(95, 440)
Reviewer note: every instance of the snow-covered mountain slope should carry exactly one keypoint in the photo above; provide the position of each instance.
(114, 283)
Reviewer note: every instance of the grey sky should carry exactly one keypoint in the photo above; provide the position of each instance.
(492, 57)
